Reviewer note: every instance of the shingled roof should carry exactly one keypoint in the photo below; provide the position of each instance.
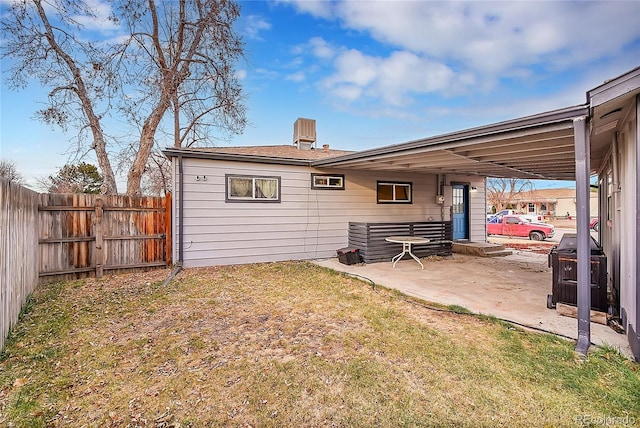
(545, 195)
(282, 151)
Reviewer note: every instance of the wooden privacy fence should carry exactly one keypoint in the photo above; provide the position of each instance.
(85, 235)
(18, 251)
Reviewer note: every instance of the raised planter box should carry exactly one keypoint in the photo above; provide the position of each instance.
(369, 238)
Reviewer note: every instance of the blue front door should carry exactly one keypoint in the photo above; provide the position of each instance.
(460, 211)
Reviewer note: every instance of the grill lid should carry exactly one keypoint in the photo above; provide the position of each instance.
(569, 244)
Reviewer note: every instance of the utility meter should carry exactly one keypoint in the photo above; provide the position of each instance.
(440, 199)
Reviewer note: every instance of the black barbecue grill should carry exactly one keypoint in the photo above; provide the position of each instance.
(563, 258)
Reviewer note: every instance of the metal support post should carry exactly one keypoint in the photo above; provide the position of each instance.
(582, 154)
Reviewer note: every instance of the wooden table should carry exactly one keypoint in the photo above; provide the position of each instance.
(407, 242)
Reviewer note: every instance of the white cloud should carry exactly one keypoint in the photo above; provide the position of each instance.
(316, 47)
(319, 8)
(266, 73)
(296, 77)
(458, 48)
(345, 91)
(98, 18)
(494, 37)
(252, 25)
(321, 49)
(295, 62)
(394, 79)
(355, 68)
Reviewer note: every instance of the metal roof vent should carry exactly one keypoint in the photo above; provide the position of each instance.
(304, 133)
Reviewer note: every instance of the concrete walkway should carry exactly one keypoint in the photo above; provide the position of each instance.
(512, 288)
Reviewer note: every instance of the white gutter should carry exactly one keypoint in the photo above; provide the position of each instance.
(614, 162)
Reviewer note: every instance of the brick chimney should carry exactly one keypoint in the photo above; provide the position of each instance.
(325, 147)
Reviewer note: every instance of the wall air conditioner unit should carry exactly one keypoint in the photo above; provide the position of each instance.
(304, 133)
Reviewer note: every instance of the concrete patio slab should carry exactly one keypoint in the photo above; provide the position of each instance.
(512, 288)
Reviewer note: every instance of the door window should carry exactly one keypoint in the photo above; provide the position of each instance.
(458, 200)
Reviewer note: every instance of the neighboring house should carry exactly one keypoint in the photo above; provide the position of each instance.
(550, 203)
(240, 205)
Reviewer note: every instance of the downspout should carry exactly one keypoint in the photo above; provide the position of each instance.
(439, 192)
(485, 210)
(178, 267)
(444, 183)
(582, 155)
(613, 233)
(634, 337)
(614, 162)
(180, 211)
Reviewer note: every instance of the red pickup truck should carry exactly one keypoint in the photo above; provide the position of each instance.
(513, 225)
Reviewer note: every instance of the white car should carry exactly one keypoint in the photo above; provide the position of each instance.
(532, 218)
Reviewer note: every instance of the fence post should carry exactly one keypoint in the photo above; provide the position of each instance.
(167, 227)
(99, 240)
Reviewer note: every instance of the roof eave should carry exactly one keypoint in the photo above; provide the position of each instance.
(539, 120)
(176, 152)
(620, 86)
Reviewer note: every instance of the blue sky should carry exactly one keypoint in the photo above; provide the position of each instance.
(373, 73)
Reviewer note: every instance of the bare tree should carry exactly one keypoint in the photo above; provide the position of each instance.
(157, 178)
(70, 66)
(9, 170)
(502, 191)
(177, 56)
(186, 52)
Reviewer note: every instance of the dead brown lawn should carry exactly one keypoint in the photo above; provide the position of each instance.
(287, 344)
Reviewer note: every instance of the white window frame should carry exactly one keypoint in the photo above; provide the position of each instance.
(394, 185)
(329, 178)
(254, 197)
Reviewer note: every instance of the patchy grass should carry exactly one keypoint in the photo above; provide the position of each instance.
(290, 344)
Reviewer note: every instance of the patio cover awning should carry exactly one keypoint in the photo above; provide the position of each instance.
(533, 147)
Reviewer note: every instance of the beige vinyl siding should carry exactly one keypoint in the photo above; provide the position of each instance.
(618, 225)
(624, 224)
(306, 224)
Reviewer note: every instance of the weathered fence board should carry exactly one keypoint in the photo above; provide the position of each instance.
(45, 237)
(18, 251)
(86, 235)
